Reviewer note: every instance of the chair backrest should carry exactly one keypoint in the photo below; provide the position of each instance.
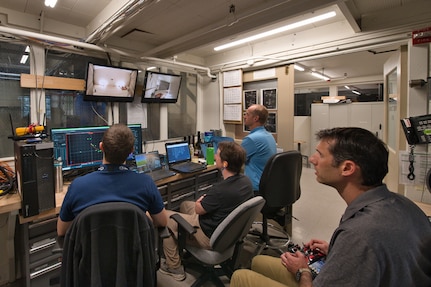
(110, 244)
(280, 180)
(236, 225)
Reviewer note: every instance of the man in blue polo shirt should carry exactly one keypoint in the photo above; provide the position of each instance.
(259, 144)
(113, 181)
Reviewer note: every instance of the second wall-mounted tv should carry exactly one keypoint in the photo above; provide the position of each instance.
(110, 84)
(161, 88)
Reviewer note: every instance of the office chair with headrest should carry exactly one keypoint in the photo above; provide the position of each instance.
(280, 187)
(110, 244)
(226, 242)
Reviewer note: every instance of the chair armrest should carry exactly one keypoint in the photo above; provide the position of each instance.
(183, 224)
(163, 232)
(185, 230)
(58, 246)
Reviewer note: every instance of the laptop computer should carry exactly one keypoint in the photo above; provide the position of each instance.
(150, 164)
(179, 158)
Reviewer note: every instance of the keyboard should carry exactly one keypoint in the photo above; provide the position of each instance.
(189, 166)
(161, 174)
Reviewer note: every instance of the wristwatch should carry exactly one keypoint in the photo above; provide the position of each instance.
(300, 271)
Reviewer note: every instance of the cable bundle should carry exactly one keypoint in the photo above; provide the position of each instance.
(7, 178)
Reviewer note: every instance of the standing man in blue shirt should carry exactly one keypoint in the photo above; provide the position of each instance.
(259, 144)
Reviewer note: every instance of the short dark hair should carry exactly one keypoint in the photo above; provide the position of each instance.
(118, 142)
(360, 146)
(234, 154)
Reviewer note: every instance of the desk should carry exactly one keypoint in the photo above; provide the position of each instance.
(9, 207)
(12, 202)
(36, 235)
(425, 207)
(304, 157)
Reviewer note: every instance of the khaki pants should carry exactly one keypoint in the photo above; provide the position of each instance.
(170, 246)
(265, 271)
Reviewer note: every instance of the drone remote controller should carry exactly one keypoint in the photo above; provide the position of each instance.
(316, 259)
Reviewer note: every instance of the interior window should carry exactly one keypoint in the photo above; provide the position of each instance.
(67, 108)
(14, 100)
(182, 115)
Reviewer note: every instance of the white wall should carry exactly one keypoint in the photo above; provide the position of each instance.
(209, 107)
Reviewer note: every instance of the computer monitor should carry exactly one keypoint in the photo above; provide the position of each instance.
(110, 84)
(79, 147)
(161, 87)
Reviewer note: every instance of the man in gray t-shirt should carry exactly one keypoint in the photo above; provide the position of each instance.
(383, 239)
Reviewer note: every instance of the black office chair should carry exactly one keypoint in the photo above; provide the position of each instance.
(280, 187)
(226, 243)
(110, 244)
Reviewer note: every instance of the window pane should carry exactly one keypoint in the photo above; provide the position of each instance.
(152, 131)
(14, 100)
(182, 115)
(67, 108)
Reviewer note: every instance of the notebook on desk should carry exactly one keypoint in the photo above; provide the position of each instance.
(179, 158)
(150, 164)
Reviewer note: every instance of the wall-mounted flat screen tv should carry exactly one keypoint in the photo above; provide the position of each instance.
(161, 88)
(110, 84)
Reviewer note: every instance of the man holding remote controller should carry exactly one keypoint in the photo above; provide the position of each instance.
(383, 238)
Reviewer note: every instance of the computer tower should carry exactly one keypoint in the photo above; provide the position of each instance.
(34, 164)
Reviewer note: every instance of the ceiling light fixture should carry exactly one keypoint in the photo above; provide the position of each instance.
(50, 3)
(356, 92)
(320, 76)
(24, 59)
(298, 68)
(24, 56)
(277, 30)
(347, 87)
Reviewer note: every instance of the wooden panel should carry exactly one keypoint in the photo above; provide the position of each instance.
(48, 82)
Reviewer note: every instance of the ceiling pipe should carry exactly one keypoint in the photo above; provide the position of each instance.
(118, 20)
(274, 60)
(51, 39)
(165, 61)
(174, 62)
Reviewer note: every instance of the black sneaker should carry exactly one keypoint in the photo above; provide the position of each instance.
(177, 273)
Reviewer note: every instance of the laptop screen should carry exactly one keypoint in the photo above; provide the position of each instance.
(147, 162)
(153, 160)
(141, 162)
(177, 152)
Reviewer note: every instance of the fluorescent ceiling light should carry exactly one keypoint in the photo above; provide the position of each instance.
(24, 59)
(356, 92)
(347, 87)
(320, 76)
(27, 49)
(50, 3)
(277, 30)
(298, 68)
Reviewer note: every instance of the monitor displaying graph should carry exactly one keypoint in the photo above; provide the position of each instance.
(79, 147)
